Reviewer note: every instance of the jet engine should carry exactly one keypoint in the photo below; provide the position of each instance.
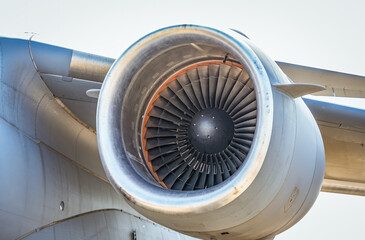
(197, 132)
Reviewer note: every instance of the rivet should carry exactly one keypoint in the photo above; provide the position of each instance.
(62, 206)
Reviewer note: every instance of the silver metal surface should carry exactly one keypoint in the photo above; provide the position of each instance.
(65, 62)
(337, 84)
(105, 224)
(50, 168)
(93, 93)
(343, 132)
(72, 93)
(299, 89)
(69, 74)
(89, 66)
(344, 187)
(337, 115)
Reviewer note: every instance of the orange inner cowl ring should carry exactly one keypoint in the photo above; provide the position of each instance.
(157, 95)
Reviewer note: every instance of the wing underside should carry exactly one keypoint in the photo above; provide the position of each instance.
(343, 133)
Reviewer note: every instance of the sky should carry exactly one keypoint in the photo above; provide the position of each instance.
(324, 34)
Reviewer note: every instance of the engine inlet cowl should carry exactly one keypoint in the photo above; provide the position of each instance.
(193, 135)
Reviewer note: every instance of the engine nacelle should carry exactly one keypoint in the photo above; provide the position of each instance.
(194, 135)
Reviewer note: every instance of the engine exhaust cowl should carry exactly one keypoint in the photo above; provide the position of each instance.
(192, 133)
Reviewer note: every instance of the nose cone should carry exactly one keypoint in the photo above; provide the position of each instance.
(211, 130)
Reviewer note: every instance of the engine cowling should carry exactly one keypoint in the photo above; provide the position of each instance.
(193, 134)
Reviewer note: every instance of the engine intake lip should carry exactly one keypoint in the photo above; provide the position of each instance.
(114, 149)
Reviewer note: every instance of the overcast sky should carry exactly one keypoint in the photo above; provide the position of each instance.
(324, 34)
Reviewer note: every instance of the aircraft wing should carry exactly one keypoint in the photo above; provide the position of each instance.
(343, 133)
(337, 84)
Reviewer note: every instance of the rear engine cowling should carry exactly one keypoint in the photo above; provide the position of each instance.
(194, 136)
